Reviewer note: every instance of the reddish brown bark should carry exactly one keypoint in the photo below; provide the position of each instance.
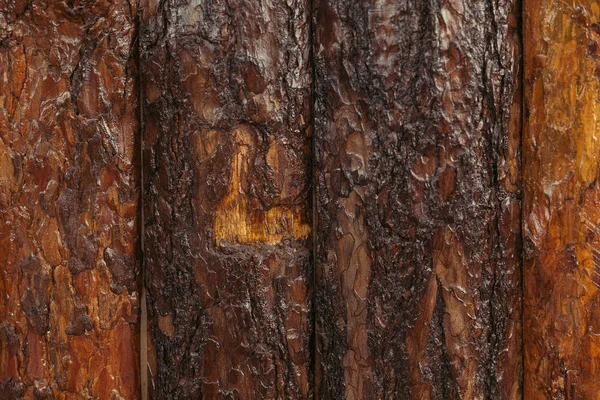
(68, 200)
(227, 242)
(561, 200)
(418, 213)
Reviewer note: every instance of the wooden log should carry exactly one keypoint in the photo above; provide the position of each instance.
(417, 179)
(561, 200)
(227, 219)
(68, 200)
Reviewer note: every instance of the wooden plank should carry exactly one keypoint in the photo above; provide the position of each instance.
(561, 197)
(68, 200)
(227, 218)
(417, 193)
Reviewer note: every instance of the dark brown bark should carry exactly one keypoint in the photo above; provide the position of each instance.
(418, 213)
(68, 200)
(561, 200)
(227, 222)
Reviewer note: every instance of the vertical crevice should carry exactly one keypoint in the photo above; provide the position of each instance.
(312, 163)
(143, 307)
(521, 33)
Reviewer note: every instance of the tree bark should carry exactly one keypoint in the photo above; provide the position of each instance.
(227, 218)
(417, 179)
(68, 200)
(561, 196)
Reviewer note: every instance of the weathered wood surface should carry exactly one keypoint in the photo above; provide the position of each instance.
(227, 219)
(68, 200)
(561, 204)
(418, 199)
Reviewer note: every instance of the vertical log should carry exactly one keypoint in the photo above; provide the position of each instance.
(68, 200)
(561, 200)
(417, 129)
(227, 219)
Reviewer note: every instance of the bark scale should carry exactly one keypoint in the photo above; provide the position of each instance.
(68, 200)
(561, 200)
(417, 179)
(227, 219)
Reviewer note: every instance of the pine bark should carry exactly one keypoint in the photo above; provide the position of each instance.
(68, 200)
(417, 180)
(227, 219)
(561, 200)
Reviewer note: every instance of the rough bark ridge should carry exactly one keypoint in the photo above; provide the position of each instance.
(417, 129)
(227, 229)
(68, 200)
(561, 200)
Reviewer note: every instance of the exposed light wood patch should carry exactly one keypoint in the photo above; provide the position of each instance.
(236, 222)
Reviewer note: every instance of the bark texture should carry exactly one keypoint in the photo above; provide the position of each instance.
(417, 130)
(562, 200)
(68, 200)
(227, 221)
